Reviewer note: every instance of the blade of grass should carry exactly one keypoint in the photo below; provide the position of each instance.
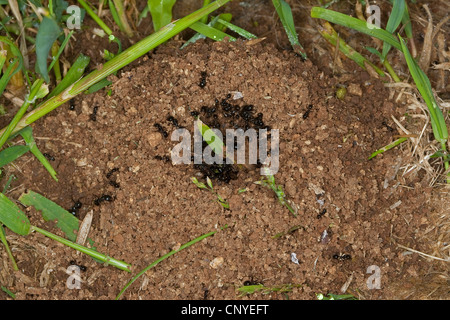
(210, 32)
(8, 250)
(121, 60)
(92, 253)
(27, 135)
(65, 221)
(397, 14)
(117, 7)
(356, 24)
(75, 73)
(238, 30)
(12, 153)
(56, 68)
(388, 147)
(3, 234)
(9, 73)
(12, 295)
(184, 246)
(198, 36)
(12, 217)
(424, 86)
(161, 12)
(331, 36)
(287, 20)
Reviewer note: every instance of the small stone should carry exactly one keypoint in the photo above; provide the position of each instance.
(217, 262)
(355, 89)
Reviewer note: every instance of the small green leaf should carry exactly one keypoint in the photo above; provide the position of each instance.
(75, 72)
(48, 32)
(51, 211)
(209, 182)
(285, 13)
(27, 135)
(12, 153)
(201, 185)
(395, 18)
(161, 11)
(12, 217)
(210, 137)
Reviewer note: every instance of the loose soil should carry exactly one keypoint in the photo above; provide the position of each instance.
(324, 147)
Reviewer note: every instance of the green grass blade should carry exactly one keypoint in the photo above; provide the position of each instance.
(356, 24)
(12, 153)
(397, 14)
(161, 12)
(65, 221)
(331, 36)
(210, 138)
(48, 32)
(210, 32)
(6, 133)
(238, 30)
(27, 135)
(120, 17)
(12, 295)
(198, 36)
(90, 252)
(8, 183)
(9, 72)
(12, 217)
(287, 20)
(8, 250)
(75, 73)
(424, 86)
(388, 147)
(406, 21)
(184, 246)
(3, 54)
(95, 17)
(205, 18)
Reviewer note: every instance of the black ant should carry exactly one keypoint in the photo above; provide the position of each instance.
(342, 257)
(110, 173)
(306, 114)
(195, 114)
(114, 184)
(173, 121)
(49, 157)
(202, 83)
(74, 263)
(93, 116)
(161, 130)
(72, 104)
(252, 282)
(163, 158)
(321, 213)
(77, 205)
(384, 123)
(205, 293)
(103, 198)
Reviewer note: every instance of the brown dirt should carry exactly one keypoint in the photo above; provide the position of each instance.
(323, 165)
